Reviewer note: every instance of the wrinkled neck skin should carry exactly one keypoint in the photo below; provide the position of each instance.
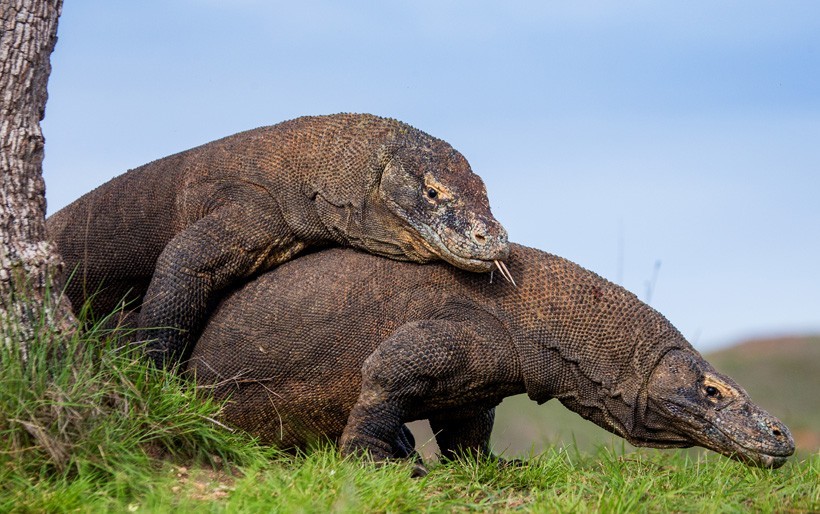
(619, 363)
(383, 232)
(585, 341)
(360, 217)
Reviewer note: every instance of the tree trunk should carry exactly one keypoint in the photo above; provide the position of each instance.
(29, 306)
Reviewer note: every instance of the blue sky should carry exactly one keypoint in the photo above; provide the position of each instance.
(671, 144)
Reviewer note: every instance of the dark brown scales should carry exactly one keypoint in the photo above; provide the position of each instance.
(170, 235)
(347, 346)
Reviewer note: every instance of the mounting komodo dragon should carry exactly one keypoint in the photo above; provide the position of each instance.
(173, 233)
(352, 356)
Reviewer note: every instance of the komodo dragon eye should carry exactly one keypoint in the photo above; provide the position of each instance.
(712, 392)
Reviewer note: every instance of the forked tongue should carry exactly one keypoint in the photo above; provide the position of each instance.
(502, 268)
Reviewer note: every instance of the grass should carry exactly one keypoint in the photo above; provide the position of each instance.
(85, 418)
(321, 481)
(94, 429)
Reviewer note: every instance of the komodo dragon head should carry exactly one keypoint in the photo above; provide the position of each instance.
(688, 402)
(429, 185)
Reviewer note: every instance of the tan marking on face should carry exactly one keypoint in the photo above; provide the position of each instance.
(443, 192)
(725, 390)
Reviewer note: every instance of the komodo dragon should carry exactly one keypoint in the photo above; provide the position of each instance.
(173, 233)
(304, 354)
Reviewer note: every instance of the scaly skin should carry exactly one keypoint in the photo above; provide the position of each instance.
(347, 346)
(171, 235)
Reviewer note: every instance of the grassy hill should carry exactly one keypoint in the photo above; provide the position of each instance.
(782, 375)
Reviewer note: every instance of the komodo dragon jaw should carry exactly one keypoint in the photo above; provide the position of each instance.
(709, 409)
(437, 194)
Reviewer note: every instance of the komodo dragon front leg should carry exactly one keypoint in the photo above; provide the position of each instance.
(427, 369)
(235, 241)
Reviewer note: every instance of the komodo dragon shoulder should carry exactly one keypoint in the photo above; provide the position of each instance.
(302, 355)
(168, 236)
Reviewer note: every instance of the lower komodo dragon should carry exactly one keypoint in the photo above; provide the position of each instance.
(170, 235)
(347, 346)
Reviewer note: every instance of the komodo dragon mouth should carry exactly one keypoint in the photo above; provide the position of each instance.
(464, 262)
(711, 434)
(439, 247)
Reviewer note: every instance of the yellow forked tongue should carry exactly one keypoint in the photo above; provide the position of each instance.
(504, 272)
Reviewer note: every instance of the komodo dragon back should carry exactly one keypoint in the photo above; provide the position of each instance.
(352, 356)
(166, 238)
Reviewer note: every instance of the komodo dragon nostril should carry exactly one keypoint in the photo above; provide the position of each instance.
(479, 233)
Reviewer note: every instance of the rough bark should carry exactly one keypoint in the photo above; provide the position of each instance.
(27, 262)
